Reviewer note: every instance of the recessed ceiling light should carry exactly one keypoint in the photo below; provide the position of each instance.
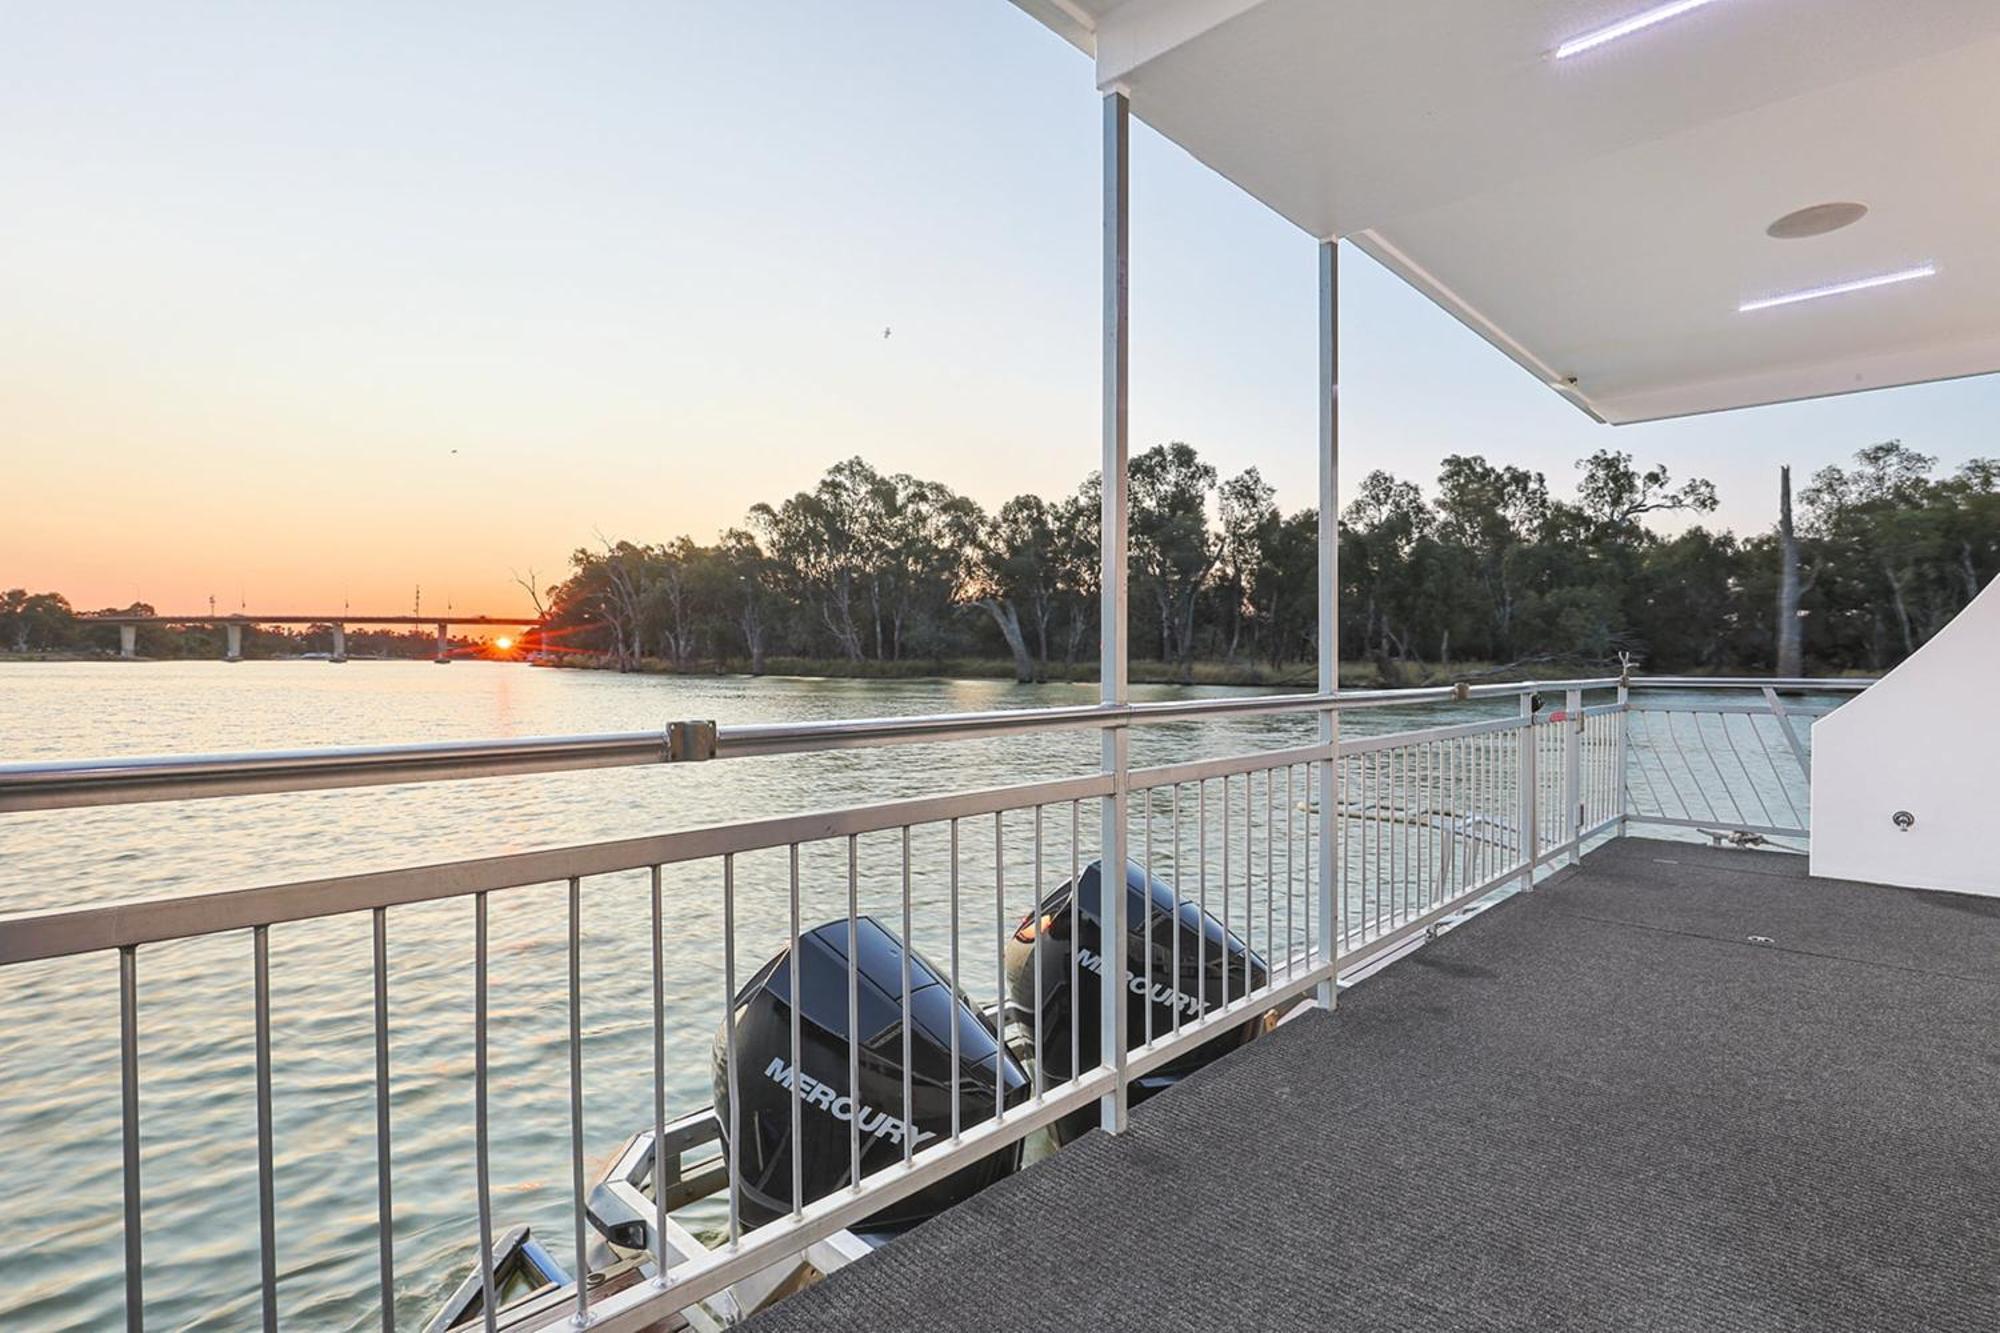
(1817, 220)
(1626, 27)
(1838, 288)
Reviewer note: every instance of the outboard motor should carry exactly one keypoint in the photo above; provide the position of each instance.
(828, 1107)
(1215, 967)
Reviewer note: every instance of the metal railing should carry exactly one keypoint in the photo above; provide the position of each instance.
(1738, 769)
(1421, 825)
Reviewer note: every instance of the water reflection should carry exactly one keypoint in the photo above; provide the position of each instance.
(59, 1102)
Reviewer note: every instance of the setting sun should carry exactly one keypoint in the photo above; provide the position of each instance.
(503, 643)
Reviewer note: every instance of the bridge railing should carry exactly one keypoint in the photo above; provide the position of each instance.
(1319, 860)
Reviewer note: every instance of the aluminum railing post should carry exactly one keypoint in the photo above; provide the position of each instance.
(1573, 774)
(1330, 903)
(1528, 831)
(1112, 648)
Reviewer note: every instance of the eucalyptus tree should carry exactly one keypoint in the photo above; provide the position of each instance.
(1173, 549)
(1488, 514)
(1017, 578)
(1247, 507)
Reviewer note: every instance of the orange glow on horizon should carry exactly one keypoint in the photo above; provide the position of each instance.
(504, 644)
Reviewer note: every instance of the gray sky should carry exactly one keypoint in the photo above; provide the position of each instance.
(266, 267)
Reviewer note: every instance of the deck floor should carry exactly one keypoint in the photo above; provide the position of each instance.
(1600, 1106)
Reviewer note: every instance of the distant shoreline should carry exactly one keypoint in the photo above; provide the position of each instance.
(1301, 676)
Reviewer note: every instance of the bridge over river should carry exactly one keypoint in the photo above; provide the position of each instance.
(128, 627)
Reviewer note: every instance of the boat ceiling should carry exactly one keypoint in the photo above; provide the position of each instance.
(1602, 217)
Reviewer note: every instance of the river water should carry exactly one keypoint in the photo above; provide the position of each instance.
(61, 1265)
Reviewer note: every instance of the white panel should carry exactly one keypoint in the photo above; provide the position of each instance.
(1925, 739)
(1600, 219)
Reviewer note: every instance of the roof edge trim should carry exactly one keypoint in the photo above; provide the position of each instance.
(1388, 256)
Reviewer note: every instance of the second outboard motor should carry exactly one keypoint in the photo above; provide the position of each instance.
(828, 1108)
(1215, 967)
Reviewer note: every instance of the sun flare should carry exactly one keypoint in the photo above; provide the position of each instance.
(503, 643)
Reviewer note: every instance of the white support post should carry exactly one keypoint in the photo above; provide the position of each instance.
(1113, 1108)
(1573, 774)
(339, 643)
(1329, 615)
(1528, 834)
(234, 652)
(444, 654)
(128, 641)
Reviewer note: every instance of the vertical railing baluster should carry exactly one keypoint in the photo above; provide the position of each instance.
(1468, 766)
(1526, 779)
(1035, 917)
(1075, 1010)
(1249, 875)
(1371, 872)
(1291, 875)
(658, 924)
(1000, 961)
(1427, 843)
(582, 1229)
(1399, 814)
(1484, 748)
(128, 1093)
(1270, 862)
(1573, 777)
(1339, 851)
(1201, 880)
(854, 1011)
(792, 966)
(909, 1134)
(1145, 796)
(1454, 815)
(955, 987)
(1385, 845)
(267, 1220)
(1174, 828)
(735, 1153)
(1408, 882)
(385, 1218)
(482, 1144)
(1225, 889)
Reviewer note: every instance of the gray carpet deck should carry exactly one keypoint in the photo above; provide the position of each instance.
(1597, 1107)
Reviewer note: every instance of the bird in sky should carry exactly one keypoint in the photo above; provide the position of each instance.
(885, 333)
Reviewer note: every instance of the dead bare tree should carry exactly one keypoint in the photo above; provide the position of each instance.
(1791, 631)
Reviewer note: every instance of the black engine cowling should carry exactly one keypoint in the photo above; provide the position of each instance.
(1215, 967)
(762, 1017)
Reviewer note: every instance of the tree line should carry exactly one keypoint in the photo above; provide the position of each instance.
(1490, 567)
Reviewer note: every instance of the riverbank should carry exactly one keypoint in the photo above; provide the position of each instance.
(1294, 676)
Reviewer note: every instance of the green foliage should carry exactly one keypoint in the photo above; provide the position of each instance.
(888, 575)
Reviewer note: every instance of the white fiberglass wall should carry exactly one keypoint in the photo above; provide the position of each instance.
(1925, 740)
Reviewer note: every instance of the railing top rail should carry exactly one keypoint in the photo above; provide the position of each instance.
(1815, 684)
(61, 932)
(64, 784)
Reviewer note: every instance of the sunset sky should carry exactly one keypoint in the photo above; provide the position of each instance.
(312, 303)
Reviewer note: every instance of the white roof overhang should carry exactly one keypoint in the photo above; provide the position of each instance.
(1601, 218)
